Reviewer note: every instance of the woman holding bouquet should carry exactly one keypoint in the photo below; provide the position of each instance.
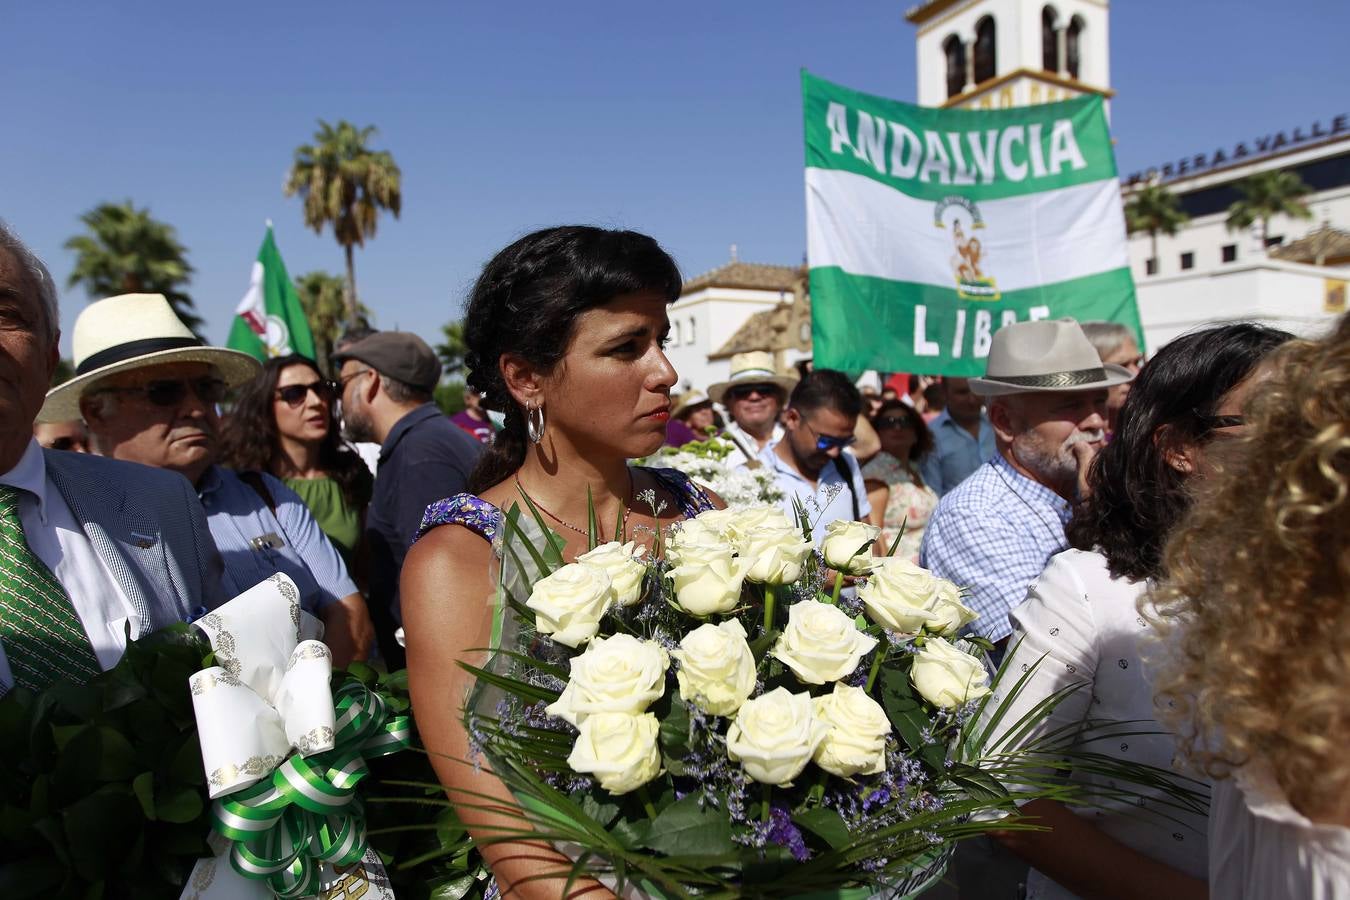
(1080, 625)
(565, 330)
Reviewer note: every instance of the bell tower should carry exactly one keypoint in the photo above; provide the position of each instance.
(992, 54)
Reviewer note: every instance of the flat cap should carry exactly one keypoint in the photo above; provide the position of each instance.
(400, 355)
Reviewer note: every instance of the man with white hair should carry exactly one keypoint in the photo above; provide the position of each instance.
(994, 533)
(90, 548)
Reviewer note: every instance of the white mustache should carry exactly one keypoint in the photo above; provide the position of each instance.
(1085, 437)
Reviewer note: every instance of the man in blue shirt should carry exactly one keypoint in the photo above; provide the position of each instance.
(150, 398)
(963, 439)
(810, 463)
(387, 380)
(994, 533)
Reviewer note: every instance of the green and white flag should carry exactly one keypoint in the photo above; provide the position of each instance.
(269, 321)
(930, 229)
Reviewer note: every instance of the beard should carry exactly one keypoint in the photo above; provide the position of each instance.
(1052, 465)
(356, 427)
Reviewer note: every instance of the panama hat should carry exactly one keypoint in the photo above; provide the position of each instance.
(1047, 355)
(132, 331)
(688, 400)
(754, 367)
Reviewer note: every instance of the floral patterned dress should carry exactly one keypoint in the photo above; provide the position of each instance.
(909, 503)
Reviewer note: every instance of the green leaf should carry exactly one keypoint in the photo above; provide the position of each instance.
(101, 829)
(180, 806)
(143, 786)
(762, 644)
(592, 526)
(117, 759)
(674, 733)
(686, 828)
(825, 824)
(904, 711)
(977, 783)
(454, 889)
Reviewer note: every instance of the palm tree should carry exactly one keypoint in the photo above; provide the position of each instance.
(125, 251)
(1156, 210)
(345, 184)
(453, 349)
(1266, 195)
(322, 298)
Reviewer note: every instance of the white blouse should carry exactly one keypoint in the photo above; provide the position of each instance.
(1260, 846)
(1084, 627)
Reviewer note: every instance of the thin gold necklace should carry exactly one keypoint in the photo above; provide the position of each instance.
(566, 524)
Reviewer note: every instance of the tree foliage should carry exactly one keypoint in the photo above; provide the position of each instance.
(1154, 210)
(345, 184)
(322, 298)
(126, 251)
(452, 349)
(1266, 195)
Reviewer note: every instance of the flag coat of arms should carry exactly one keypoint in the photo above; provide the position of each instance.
(270, 321)
(930, 229)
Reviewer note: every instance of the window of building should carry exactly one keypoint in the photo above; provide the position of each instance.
(1275, 241)
(1229, 252)
(985, 50)
(956, 65)
(1150, 267)
(675, 334)
(691, 330)
(1072, 46)
(1188, 260)
(1049, 39)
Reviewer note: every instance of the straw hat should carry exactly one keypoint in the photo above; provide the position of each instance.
(1048, 355)
(754, 367)
(687, 401)
(132, 331)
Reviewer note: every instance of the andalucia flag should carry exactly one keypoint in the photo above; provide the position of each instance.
(929, 229)
(269, 321)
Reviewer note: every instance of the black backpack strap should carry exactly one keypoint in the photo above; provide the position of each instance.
(255, 481)
(842, 468)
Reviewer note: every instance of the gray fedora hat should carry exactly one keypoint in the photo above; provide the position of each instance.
(1048, 355)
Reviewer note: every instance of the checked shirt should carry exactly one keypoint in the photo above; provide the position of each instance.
(993, 535)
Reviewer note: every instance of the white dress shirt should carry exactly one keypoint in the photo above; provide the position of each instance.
(58, 540)
(742, 437)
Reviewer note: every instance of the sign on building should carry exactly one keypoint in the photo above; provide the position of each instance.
(930, 229)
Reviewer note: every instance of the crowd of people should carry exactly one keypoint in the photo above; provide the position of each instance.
(1161, 542)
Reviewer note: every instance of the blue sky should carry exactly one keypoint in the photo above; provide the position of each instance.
(678, 119)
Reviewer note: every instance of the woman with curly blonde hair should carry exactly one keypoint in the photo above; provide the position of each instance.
(1255, 675)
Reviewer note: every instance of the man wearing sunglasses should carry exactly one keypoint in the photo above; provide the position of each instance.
(812, 463)
(148, 391)
(89, 548)
(753, 397)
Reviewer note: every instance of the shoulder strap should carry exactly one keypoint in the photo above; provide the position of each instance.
(255, 481)
(473, 513)
(842, 468)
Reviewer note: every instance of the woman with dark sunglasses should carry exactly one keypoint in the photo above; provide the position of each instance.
(893, 480)
(284, 423)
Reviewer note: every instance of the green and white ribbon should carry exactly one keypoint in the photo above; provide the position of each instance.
(308, 813)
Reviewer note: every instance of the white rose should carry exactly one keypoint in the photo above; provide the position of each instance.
(743, 524)
(695, 545)
(776, 555)
(900, 595)
(856, 742)
(717, 669)
(708, 580)
(774, 736)
(947, 677)
(570, 603)
(821, 643)
(624, 566)
(847, 544)
(949, 614)
(615, 674)
(717, 521)
(619, 750)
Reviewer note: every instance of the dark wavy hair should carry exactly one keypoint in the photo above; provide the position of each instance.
(923, 438)
(249, 442)
(1135, 497)
(526, 302)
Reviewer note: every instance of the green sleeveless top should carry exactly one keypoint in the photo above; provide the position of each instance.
(339, 521)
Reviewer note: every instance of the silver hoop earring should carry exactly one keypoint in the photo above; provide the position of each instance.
(534, 422)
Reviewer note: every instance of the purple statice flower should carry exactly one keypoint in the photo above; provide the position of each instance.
(785, 834)
(755, 834)
(849, 603)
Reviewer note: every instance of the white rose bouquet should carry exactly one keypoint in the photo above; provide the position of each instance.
(710, 719)
(707, 463)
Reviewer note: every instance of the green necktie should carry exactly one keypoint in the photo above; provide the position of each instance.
(41, 634)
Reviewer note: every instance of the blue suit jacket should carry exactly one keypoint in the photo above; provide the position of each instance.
(149, 528)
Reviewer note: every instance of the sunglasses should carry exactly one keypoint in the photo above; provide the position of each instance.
(1214, 422)
(171, 392)
(746, 391)
(826, 442)
(294, 394)
(893, 422)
